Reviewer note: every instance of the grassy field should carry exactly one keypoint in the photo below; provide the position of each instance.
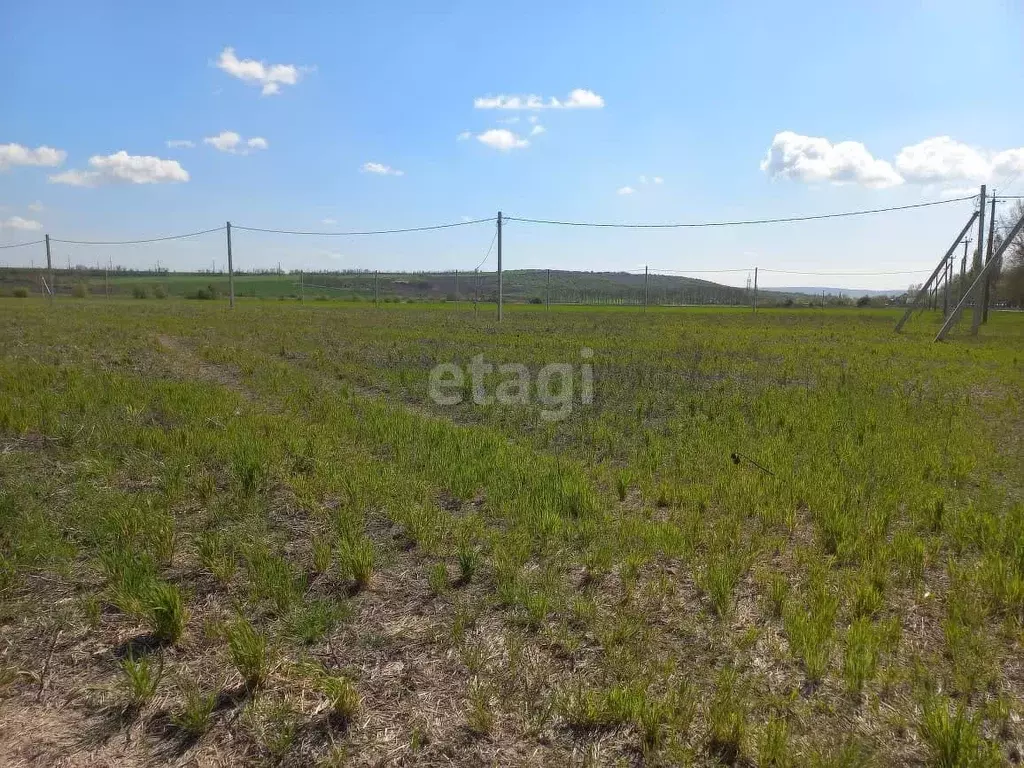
(784, 539)
(520, 286)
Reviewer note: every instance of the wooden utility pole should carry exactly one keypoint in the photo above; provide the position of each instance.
(49, 268)
(375, 293)
(547, 292)
(456, 289)
(647, 285)
(986, 288)
(302, 287)
(501, 296)
(976, 315)
(755, 290)
(231, 271)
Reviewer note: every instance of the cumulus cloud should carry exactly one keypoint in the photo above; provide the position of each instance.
(1007, 162)
(35, 207)
(579, 98)
(810, 159)
(269, 76)
(16, 222)
(658, 180)
(464, 135)
(381, 169)
(180, 144)
(537, 130)
(941, 159)
(232, 143)
(625, 190)
(16, 154)
(502, 139)
(124, 169)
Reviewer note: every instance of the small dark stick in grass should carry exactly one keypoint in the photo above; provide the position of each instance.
(736, 457)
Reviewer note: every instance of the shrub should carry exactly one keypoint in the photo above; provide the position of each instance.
(79, 290)
(159, 292)
(140, 292)
(21, 293)
(536, 300)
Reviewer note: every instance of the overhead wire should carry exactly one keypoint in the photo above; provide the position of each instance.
(360, 233)
(742, 222)
(19, 245)
(137, 242)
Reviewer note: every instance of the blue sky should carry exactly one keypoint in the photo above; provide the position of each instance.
(693, 94)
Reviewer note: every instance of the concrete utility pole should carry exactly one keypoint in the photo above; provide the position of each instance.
(646, 285)
(49, 268)
(996, 257)
(547, 292)
(456, 289)
(302, 287)
(500, 286)
(375, 294)
(976, 315)
(986, 288)
(231, 272)
(755, 290)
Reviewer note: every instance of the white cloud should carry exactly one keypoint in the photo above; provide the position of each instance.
(810, 159)
(181, 144)
(232, 143)
(941, 159)
(464, 136)
(658, 180)
(625, 190)
(502, 139)
(579, 98)
(35, 207)
(270, 76)
(537, 130)
(533, 119)
(1007, 162)
(381, 169)
(328, 221)
(16, 222)
(123, 168)
(16, 154)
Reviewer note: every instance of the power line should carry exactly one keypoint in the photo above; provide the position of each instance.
(847, 274)
(783, 220)
(488, 254)
(136, 242)
(19, 245)
(699, 271)
(371, 232)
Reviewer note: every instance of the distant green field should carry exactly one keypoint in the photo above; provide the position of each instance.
(522, 286)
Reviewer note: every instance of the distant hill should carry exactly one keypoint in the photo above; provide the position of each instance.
(535, 286)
